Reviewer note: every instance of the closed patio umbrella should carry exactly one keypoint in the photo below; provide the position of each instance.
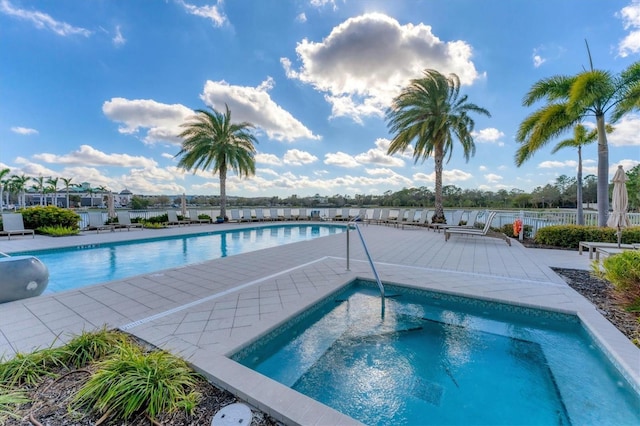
(183, 205)
(111, 205)
(619, 202)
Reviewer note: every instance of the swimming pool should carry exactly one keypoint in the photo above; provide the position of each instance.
(75, 267)
(448, 359)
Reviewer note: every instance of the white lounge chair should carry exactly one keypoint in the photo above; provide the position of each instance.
(96, 223)
(13, 224)
(124, 221)
(193, 217)
(235, 216)
(260, 215)
(173, 219)
(454, 220)
(484, 232)
(593, 246)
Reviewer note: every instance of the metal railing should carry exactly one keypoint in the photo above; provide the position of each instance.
(354, 223)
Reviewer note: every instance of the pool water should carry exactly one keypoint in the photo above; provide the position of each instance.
(439, 359)
(76, 267)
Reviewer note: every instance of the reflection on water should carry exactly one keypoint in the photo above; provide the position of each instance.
(78, 267)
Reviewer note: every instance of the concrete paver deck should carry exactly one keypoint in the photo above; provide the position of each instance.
(206, 311)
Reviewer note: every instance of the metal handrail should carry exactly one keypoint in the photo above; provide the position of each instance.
(366, 251)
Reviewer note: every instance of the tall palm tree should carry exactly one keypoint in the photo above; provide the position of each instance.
(569, 99)
(53, 188)
(39, 187)
(19, 185)
(67, 185)
(581, 137)
(431, 113)
(212, 141)
(4, 181)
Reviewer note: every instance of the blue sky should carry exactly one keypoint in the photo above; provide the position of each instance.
(97, 90)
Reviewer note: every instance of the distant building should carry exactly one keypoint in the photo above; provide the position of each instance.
(125, 197)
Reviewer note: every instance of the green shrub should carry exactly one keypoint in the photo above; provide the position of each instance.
(10, 399)
(569, 236)
(58, 231)
(89, 347)
(29, 369)
(623, 271)
(133, 381)
(41, 216)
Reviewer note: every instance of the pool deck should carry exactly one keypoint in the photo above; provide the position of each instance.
(204, 312)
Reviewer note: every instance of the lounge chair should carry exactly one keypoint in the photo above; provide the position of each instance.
(273, 215)
(96, 223)
(484, 232)
(235, 216)
(592, 246)
(124, 221)
(13, 224)
(260, 215)
(193, 217)
(421, 220)
(375, 216)
(173, 219)
(246, 216)
(456, 217)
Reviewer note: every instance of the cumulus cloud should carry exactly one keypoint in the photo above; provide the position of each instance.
(301, 17)
(90, 156)
(379, 157)
(24, 131)
(557, 164)
(254, 105)
(626, 132)
(630, 16)
(448, 176)
(162, 121)
(340, 159)
(42, 20)
(493, 178)
(262, 158)
(212, 12)
(296, 157)
(489, 135)
(365, 61)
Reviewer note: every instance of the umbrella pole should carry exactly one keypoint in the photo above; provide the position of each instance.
(619, 236)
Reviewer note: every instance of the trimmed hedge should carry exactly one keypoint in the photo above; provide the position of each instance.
(569, 236)
(45, 216)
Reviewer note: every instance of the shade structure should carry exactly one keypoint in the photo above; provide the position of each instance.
(619, 203)
(183, 205)
(111, 205)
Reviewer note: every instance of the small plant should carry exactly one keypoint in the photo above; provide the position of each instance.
(10, 399)
(133, 381)
(623, 271)
(58, 231)
(89, 347)
(29, 369)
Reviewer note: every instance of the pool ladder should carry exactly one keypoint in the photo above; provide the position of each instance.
(354, 224)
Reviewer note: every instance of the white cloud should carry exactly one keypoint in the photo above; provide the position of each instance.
(627, 132)
(322, 3)
(254, 105)
(341, 64)
(630, 16)
(483, 168)
(296, 157)
(42, 20)
(262, 158)
(212, 12)
(162, 121)
(379, 157)
(557, 164)
(538, 60)
(168, 156)
(489, 135)
(340, 159)
(24, 131)
(119, 39)
(493, 178)
(301, 17)
(89, 156)
(448, 176)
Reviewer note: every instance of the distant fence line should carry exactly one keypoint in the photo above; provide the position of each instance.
(536, 219)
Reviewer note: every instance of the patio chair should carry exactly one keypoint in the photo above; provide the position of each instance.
(260, 215)
(13, 224)
(302, 214)
(124, 221)
(96, 223)
(193, 217)
(420, 221)
(246, 216)
(454, 221)
(484, 232)
(593, 246)
(273, 215)
(172, 217)
(375, 217)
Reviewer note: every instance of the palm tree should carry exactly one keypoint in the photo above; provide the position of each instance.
(67, 185)
(569, 100)
(581, 137)
(39, 188)
(212, 141)
(18, 185)
(53, 188)
(3, 183)
(431, 113)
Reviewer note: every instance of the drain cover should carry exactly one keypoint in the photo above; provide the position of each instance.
(233, 414)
